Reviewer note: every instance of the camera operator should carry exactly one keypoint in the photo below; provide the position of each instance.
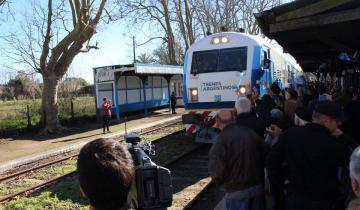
(106, 171)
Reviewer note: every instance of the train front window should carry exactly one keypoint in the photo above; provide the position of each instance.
(232, 59)
(204, 62)
(229, 59)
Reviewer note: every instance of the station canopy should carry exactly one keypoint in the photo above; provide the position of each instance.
(317, 33)
(140, 68)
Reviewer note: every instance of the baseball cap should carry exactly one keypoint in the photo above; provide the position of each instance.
(331, 109)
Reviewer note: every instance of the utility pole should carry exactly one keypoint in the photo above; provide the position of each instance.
(134, 49)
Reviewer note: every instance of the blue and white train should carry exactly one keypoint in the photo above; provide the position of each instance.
(222, 66)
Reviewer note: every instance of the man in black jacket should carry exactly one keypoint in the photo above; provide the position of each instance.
(314, 161)
(247, 118)
(236, 164)
(173, 103)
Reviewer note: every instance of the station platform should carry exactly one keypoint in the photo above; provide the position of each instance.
(25, 149)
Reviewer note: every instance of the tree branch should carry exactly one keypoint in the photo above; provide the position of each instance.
(45, 48)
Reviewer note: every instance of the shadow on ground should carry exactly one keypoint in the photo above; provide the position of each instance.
(75, 128)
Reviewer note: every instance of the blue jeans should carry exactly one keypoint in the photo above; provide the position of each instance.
(248, 199)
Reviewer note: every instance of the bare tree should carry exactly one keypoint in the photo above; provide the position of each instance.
(233, 14)
(184, 19)
(153, 11)
(54, 35)
(2, 2)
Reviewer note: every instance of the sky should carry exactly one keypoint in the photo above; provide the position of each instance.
(114, 42)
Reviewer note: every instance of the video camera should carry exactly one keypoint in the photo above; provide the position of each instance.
(152, 187)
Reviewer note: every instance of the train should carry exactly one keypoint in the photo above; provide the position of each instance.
(223, 66)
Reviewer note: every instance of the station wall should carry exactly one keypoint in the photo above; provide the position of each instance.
(131, 95)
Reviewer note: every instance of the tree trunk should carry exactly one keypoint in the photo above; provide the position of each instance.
(169, 33)
(49, 104)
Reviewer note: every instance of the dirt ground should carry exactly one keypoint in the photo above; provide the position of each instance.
(31, 143)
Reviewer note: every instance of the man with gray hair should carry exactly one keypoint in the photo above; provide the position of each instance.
(247, 118)
(355, 178)
(223, 118)
(243, 105)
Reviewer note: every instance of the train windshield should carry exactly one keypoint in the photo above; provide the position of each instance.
(229, 59)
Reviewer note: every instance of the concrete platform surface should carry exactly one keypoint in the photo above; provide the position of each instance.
(15, 152)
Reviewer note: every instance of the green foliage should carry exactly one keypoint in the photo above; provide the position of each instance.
(11, 187)
(13, 114)
(45, 201)
(18, 123)
(23, 86)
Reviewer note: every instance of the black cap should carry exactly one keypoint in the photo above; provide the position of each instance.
(331, 109)
(304, 113)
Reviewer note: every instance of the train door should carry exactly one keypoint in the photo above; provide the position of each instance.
(268, 68)
(176, 87)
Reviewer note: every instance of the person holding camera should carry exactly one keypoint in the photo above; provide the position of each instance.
(106, 107)
(105, 171)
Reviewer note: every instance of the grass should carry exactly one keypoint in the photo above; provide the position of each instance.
(57, 197)
(13, 114)
(18, 123)
(66, 195)
(14, 186)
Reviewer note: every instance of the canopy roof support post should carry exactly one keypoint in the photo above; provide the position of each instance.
(168, 79)
(117, 108)
(143, 80)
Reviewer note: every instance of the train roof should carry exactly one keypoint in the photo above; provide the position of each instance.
(272, 44)
(141, 68)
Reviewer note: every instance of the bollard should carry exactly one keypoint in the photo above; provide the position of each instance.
(28, 116)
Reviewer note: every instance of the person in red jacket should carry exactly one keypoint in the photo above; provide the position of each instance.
(106, 107)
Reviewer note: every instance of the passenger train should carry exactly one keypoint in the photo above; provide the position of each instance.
(223, 66)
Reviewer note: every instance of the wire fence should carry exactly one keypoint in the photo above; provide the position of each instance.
(26, 113)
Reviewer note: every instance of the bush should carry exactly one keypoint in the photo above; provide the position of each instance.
(45, 201)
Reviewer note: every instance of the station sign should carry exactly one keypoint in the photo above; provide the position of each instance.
(104, 75)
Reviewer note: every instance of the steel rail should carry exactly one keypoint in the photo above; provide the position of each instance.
(70, 156)
(36, 168)
(198, 196)
(49, 182)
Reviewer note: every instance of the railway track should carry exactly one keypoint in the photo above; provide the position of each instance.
(189, 174)
(159, 130)
(190, 177)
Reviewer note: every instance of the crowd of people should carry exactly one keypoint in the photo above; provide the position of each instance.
(289, 150)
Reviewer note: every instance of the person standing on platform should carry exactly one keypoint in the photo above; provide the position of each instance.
(315, 163)
(173, 102)
(106, 107)
(236, 165)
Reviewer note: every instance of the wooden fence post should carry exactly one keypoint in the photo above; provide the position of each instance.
(72, 110)
(28, 116)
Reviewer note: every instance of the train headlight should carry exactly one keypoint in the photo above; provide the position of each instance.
(194, 94)
(216, 40)
(242, 90)
(220, 40)
(224, 39)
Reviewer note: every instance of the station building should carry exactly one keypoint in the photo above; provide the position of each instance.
(137, 86)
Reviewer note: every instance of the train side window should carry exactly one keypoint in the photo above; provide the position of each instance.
(179, 89)
(175, 88)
